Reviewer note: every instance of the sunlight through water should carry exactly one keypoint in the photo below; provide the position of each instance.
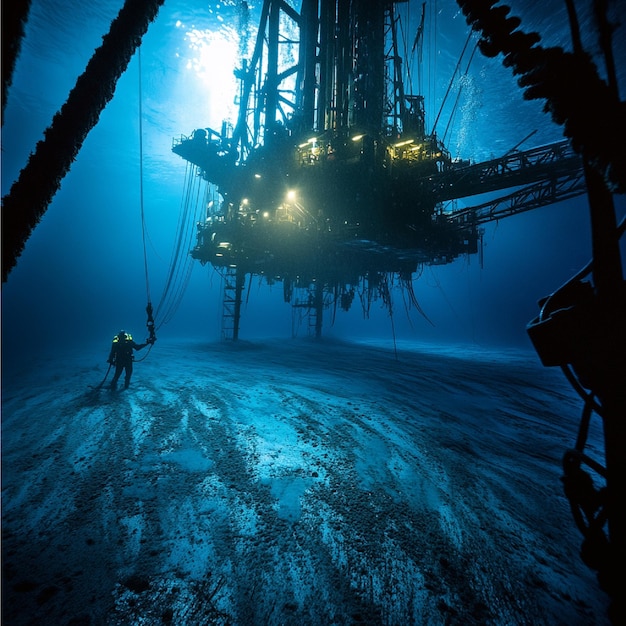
(213, 56)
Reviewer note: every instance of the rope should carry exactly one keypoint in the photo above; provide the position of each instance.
(385, 293)
(104, 379)
(14, 19)
(181, 264)
(456, 69)
(537, 68)
(29, 197)
(419, 44)
(145, 356)
(141, 203)
(150, 321)
(458, 95)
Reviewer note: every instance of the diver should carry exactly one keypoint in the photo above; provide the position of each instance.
(121, 356)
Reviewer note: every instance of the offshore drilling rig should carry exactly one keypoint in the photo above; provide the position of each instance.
(329, 180)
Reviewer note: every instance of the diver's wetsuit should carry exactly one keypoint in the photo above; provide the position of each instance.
(122, 357)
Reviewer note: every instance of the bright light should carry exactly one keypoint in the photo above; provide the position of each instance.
(357, 137)
(266, 214)
(402, 143)
(213, 57)
(291, 195)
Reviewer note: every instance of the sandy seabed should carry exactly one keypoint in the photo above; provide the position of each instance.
(292, 483)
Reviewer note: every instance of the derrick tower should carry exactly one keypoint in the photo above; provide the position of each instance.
(329, 181)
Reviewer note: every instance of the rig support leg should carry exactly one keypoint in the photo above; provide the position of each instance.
(609, 369)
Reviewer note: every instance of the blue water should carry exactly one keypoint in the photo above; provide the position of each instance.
(81, 277)
(195, 415)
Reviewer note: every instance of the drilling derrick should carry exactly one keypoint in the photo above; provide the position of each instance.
(329, 180)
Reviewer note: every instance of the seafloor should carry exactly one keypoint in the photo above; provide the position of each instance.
(292, 483)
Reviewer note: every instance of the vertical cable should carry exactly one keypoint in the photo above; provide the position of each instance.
(143, 217)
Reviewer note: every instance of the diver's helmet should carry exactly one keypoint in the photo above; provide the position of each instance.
(121, 336)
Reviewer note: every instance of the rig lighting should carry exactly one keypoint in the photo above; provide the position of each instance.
(291, 195)
(406, 142)
(358, 137)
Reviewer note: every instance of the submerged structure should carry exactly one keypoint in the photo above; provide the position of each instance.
(330, 182)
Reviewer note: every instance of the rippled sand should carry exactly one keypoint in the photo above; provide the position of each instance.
(293, 483)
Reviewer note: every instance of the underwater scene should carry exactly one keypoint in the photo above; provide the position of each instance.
(301, 308)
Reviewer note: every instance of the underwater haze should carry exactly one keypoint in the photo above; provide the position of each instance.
(81, 276)
(404, 469)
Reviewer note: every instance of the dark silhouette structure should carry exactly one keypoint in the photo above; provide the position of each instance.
(38, 182)
(330, 181)
(581, 325)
